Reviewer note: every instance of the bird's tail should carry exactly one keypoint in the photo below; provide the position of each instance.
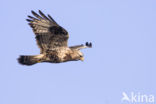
(30, 60)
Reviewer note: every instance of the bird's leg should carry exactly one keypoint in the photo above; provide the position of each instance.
(78, 47)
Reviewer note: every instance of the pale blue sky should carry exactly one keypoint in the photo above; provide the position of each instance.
(123, 57)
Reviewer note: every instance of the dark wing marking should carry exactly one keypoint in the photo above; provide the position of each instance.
(49, 34)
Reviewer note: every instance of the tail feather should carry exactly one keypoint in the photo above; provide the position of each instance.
(29, 60)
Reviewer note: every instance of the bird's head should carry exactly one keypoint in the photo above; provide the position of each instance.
(77, 55)
(80, 55)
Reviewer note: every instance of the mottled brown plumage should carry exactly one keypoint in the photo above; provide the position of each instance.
(52, 40)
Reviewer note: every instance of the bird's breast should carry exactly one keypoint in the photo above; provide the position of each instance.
(59, 55)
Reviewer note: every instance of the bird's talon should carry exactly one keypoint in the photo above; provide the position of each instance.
(88, 44)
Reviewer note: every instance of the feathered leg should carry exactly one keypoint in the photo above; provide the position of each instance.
(78, 47)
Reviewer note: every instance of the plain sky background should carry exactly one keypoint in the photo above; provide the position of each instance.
(123, 57)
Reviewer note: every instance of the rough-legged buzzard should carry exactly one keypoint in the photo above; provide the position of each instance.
(52, 40)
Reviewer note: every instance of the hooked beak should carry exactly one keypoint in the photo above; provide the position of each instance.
(81, 58)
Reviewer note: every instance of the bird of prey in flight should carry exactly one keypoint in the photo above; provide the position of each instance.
(52, 39)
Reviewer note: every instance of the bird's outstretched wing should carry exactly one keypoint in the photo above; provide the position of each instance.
(49, 34)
